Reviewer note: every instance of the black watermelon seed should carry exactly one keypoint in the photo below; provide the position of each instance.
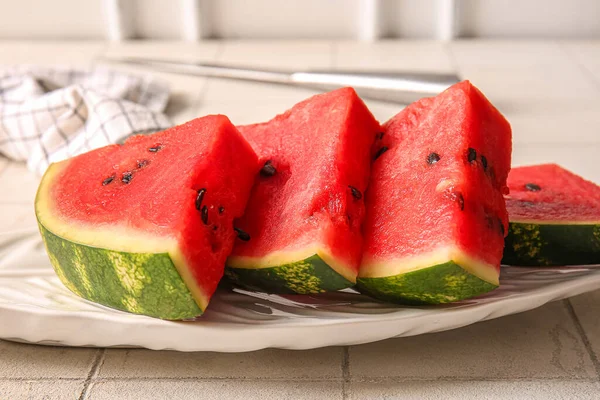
(501, 226)
(155, 148)
(268, 169)
(221, 209)
(489, 220)
(108, 180)
(142, 163)
(199, 198)
(532, 187)
(379, 135)
(126, 178)
(215, 227)
(492, 173)
(472, 155)
(242, 235)
(355, 192)
(525, 203)
(204, 215)
(433, 158)
(380, 152)
(484, 163)
(458, 198)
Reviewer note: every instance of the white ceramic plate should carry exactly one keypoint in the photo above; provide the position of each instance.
(35, 307)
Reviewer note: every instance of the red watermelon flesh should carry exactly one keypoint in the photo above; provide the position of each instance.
(176, 191)
(549, 192)
(313, 203)
(435, 197)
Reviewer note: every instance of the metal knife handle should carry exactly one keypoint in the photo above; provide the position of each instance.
(404, 87)
(386, 86)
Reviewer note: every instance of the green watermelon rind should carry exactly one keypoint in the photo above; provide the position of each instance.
(531, 244)
(439, 284)
(139, 283)
(307, 276)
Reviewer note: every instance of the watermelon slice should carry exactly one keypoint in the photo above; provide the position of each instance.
(146, 227)
(303, 220)
(436, 217)
(554, 218)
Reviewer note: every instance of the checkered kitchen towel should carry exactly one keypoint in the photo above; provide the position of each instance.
(49, 114)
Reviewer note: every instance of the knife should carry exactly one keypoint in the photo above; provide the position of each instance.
(398, 87)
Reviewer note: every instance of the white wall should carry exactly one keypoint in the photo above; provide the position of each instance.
(156, 19)
(282, 19)
(353, 19)
(530, 18)
(51, 19)
(414, 19)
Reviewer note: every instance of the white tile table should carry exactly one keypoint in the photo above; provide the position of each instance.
(550, 91)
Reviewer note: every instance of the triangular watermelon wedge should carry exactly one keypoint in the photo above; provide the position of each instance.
(303, 222)
(436, 217)
(146, 227)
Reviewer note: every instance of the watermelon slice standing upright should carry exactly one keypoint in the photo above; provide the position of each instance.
(554, 218)
(146, 227)
(436, 217)
(301, 232)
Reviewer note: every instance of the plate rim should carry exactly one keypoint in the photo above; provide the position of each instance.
(28, 320)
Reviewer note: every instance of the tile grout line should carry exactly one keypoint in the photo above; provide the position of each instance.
(4, 164)
(333, 55)
(211, 379)
(96, 58)
(197, 104)
(40, 379)
(580, 64)
(400, 379)
(452, 59)
(93, 374)
(389, 379)
(584, 336)
(345, 372)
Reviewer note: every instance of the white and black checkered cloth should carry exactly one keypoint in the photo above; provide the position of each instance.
(50, 114)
